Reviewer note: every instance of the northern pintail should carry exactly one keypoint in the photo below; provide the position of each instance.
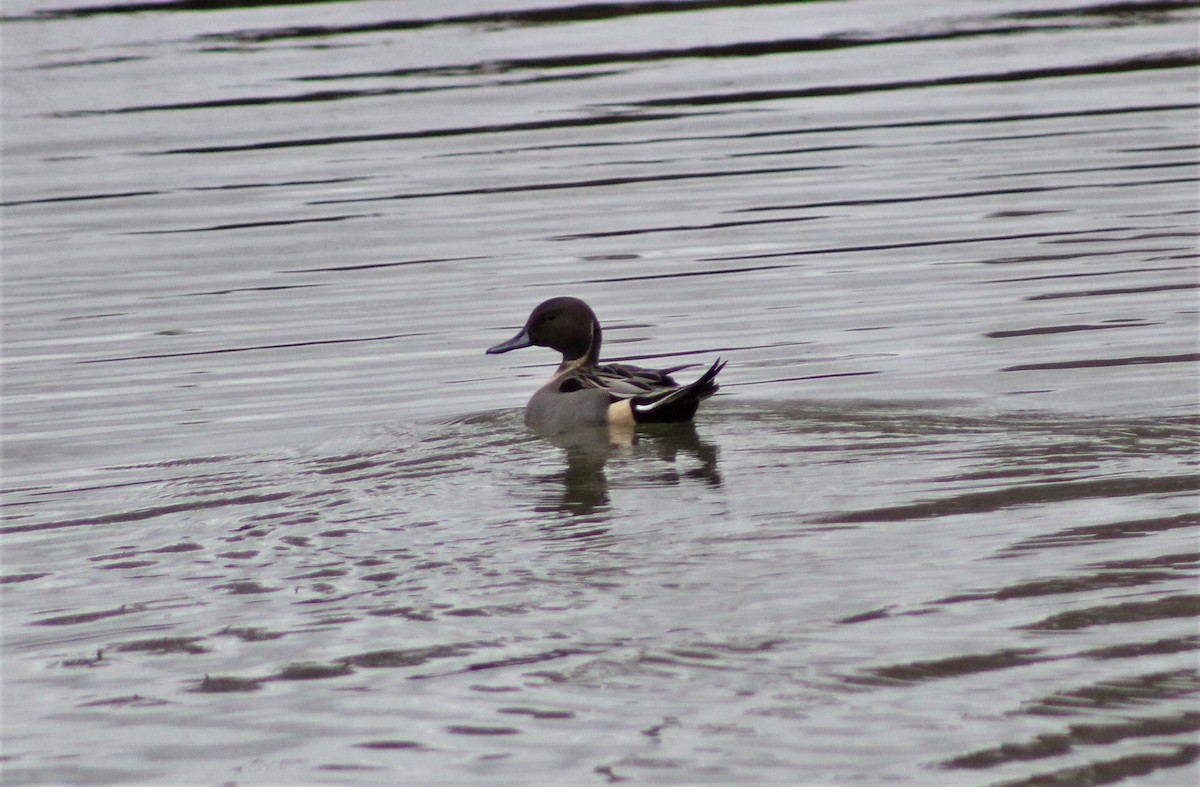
(585, 392)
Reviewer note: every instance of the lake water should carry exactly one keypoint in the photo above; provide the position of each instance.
(272, 517)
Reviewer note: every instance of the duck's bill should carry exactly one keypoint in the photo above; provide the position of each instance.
(515, 343)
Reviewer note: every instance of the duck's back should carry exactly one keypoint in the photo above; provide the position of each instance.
(624, 379)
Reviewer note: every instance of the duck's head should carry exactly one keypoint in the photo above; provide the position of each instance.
(565, 324)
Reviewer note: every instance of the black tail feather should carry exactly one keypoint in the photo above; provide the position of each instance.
(679, 404)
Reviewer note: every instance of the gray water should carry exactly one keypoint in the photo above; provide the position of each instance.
(272, 517)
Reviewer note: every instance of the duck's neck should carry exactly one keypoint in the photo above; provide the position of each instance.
(585, 352)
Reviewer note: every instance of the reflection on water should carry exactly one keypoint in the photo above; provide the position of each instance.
(658, 450)
(919, 560)
(267, 519)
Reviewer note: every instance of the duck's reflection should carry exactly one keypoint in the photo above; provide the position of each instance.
(664, 453)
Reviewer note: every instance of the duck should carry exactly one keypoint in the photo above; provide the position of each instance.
(583, 392)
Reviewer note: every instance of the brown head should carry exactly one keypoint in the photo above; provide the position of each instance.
(565, 324)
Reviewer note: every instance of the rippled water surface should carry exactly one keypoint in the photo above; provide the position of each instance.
(272, 517)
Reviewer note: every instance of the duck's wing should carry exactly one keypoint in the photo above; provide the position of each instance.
(652, 394)
(624, 381)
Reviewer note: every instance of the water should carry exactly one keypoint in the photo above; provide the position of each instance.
(272, 517)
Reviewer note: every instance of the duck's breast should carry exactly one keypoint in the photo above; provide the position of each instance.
(551, 408)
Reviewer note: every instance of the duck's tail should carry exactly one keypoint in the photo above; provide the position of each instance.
(677, 404)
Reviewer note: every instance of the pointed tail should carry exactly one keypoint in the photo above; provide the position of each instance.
(680, 403)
